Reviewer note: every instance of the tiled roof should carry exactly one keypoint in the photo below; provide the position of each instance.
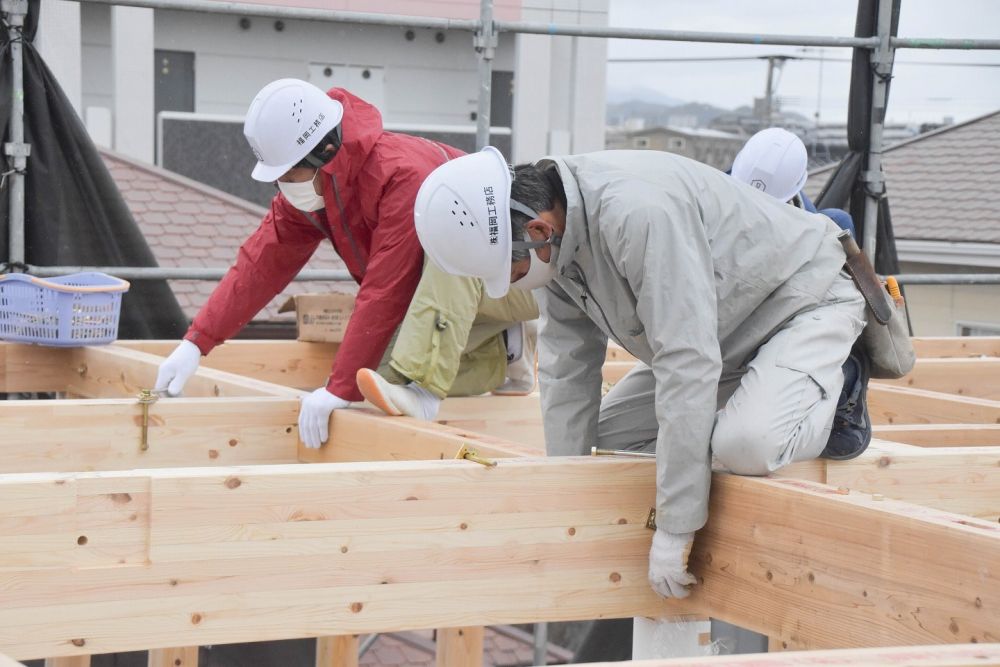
(942, 184)
(188, 224)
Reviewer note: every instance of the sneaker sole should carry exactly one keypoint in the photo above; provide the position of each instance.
(369, 387)
(865, 377)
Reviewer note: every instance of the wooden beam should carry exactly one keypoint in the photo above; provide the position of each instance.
(114, 372)
(291, 363)
(979, 378)
(957, 346)
(338, 651)
(31, 368)
(68, 661)
(46, 436)
(941, 435)
(961, 655)
(960, 480)
(460, 647)
(614, 371)
(513, 418)
(900, 405)
(190, 557)
(359, 435)
(186, 656)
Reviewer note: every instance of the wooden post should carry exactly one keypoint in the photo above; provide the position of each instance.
(68, 661)
(337, 651)
(185, 656)
(460, 647)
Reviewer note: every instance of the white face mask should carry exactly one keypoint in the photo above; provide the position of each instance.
(302, 195)
(539, 273)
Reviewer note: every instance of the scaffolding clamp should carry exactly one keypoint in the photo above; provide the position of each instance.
(473, 455)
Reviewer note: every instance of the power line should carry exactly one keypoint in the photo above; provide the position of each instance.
(927, 63)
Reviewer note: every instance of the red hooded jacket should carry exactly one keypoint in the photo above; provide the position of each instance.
(369, 188)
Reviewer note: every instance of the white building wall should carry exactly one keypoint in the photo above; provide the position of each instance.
(132, 77)
(558, 91)
(939, 310)
(58, 42)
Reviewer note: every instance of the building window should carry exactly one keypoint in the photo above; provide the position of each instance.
(676, 144)
(640, 142)
(977, 329)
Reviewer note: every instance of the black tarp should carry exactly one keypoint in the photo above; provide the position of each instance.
(74, 214)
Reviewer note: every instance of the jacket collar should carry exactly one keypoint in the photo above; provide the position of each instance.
(575, 238)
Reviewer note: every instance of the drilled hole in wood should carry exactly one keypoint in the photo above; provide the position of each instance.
(81, 540)
(234, 441)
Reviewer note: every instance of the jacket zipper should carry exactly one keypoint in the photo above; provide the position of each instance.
(588, 294)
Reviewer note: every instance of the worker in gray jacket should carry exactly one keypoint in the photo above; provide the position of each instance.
(735, 304)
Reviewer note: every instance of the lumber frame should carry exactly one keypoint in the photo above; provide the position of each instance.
(292, 363)
(900, 405)
(957, 346)
(125, 516)
(110, 372)
(955, 655)
(266, 552)
(941, 435)
(337, 651)
(30, 368)
(979, 378)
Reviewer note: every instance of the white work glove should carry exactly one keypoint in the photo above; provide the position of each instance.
(314, 416)
(668, 562)
(178, 368)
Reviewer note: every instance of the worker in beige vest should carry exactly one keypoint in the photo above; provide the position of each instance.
(735, 303)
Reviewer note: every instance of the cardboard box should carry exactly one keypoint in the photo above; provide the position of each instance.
(320, 318)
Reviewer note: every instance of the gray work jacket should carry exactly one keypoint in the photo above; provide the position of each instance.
(691, 272)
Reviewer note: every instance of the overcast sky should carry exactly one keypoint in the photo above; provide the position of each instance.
(919, 92)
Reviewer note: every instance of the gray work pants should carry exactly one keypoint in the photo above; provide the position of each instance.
(779, 411)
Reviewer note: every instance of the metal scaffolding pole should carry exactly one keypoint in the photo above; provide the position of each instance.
(14, 12)
(485, 43)
(949, 279)
(881, 60)
(174, 273)
(273, 11)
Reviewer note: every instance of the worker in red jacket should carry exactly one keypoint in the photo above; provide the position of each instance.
(342, 178)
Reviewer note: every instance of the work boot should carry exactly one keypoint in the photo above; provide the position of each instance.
(852, 428)
(521, 339)
(411, 399)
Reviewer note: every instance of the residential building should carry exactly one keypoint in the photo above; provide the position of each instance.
(124, 66)
(712, 147)
(942, 194)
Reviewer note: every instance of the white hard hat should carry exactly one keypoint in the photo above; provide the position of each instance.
(773, 161)
(462, 216)
(285, 122)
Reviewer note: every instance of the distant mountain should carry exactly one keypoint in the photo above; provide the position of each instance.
(619, 94)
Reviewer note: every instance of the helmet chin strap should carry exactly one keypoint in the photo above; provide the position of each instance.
(533, 215)
(319, 156)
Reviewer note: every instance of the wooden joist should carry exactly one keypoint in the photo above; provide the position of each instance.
(267, 552)
(115, 372)
(957, 346)
(291, 363)
(30, 368)
(959, 655)
(978, 378)
(941, 435)
(901, 405)
(961, 480)
(105, 434)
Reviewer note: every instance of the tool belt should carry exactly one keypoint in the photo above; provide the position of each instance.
(886, 337)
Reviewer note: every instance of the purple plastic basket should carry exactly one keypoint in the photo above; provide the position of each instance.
(68, 311)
